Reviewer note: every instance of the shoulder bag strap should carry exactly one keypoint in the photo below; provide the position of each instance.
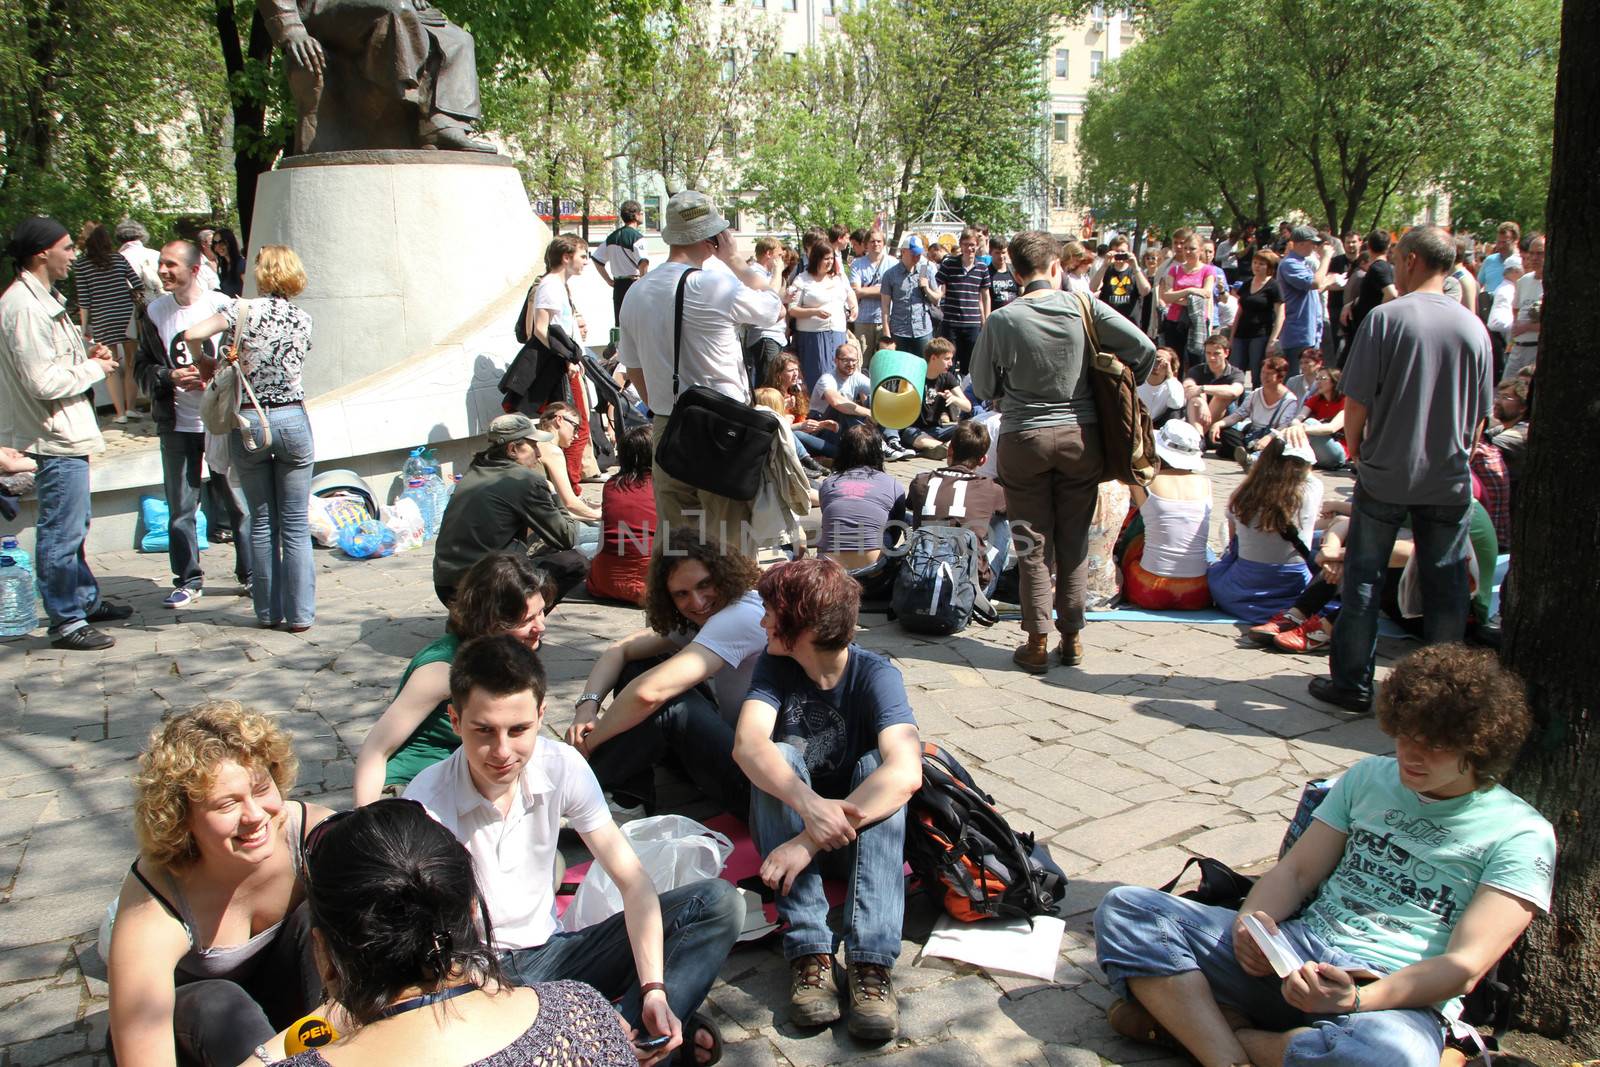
(1292, 535)
(1086, 308)
(677, 326)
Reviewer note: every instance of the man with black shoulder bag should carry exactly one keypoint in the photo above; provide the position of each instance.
(679, 346)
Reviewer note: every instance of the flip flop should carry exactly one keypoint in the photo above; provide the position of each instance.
(688, 1054)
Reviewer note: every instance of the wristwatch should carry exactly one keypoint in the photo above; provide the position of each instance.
(585, 698)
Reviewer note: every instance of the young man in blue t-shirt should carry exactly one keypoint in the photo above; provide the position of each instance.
(831, 748)
(1420, 870)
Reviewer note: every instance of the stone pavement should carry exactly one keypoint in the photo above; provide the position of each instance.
(1170, 741)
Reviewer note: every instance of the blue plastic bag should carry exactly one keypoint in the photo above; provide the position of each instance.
(153, 512)
(367, 540)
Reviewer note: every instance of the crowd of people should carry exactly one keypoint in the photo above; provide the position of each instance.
(245, 910)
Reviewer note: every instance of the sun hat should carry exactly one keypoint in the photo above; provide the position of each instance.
(515, 427)
(1178, 445)
(691, 217)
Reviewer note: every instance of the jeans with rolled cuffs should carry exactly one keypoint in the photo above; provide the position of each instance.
(1145, 933)
(872, 866)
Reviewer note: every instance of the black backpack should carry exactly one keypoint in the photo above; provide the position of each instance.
(959, 846)
(520, 330)
(936, 590)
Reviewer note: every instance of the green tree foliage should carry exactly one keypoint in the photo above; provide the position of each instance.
(559, 37)
(1374, 101)
(806, 172)
(108, 109)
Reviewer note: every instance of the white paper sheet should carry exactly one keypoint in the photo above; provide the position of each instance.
(1011, 946)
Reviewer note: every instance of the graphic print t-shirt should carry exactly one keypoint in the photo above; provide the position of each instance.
(1119, 289)
(1410, 867)
(170, 320)
(832, 728)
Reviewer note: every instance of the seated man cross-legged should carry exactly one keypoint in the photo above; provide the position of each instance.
(503, 794)
(831, 747)
(1421, 871)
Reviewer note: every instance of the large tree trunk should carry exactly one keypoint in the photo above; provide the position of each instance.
(252, 156)
(1555, 972)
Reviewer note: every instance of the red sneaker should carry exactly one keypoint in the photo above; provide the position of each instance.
(1264, 634)
(1313, 635)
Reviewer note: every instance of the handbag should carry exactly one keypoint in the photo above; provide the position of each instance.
(221, 408)
(713, 442)
(1127, 437)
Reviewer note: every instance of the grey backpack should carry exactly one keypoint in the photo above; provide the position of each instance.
(936, 590)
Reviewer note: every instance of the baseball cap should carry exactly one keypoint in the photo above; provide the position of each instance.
(1297, 451)
(514, 427)
(912, 243)
(1303, 233)
(1512, 263)
(691, 217)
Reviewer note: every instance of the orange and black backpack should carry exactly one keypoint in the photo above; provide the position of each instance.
(957, 844)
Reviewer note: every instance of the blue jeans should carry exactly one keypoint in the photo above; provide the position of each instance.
(588, 539)
(1145, 933)
(1247, 354)
(813, 445)
(66, 585)
(908, 436)
(1442, 547)
(277, 485)
(181, 455)
(1330, 454)
(699, 923)
(914, 345)
(873, 866)
(999, 542)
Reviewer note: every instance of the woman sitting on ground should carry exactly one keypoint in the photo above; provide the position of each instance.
(210, 951)
(1322, 415)
(502, 593)
(1164, 564)
(627, 523)
(858, 500)
(397, 912)
(1271, 518)
(784, 376)
(1162, 392)
(560, 418)
(1265, 409)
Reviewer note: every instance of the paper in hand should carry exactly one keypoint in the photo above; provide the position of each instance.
(1279, 950)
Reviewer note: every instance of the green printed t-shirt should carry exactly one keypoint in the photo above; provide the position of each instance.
(1411, 866)
(434, 739)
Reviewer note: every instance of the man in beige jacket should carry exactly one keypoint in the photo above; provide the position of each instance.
(46, 412)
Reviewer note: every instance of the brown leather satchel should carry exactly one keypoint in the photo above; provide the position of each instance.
(1127, 437)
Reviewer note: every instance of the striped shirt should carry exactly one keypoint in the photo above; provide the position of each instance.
(106, 293)
(961, 289)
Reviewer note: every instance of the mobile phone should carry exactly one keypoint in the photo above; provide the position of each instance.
(651, 1044)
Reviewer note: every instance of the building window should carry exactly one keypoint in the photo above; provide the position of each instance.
(1096, 60)
(730, 139)
(760, 5)
(1060, 124)
(1058, 193)
(652, 213)
(730, 67)
(791, 5)
(1061, 62)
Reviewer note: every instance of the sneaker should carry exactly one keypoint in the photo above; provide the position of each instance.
(84, 639)
(1313, 635)
(121, 420)
(183, 597)
(874, 1011)
(109, 611)
(813, 993)
(1264, 634)
(1241, 456)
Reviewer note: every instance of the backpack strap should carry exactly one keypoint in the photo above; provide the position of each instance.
(1291, 534)
(1086, 309)
(677, 325)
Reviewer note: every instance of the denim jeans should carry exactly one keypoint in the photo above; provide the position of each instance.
(66, 585)
(914, 345)
(1247, 354)
(1000, 549)
(688, 726)
(277, 486)
(814, 445)
(907, 437)
(1329, 453)
(588, 544)
(964, 335)
(1145, 933)
(699, 923)
(223, 500)
(1442, 547)
(873, 866)
(182, 455)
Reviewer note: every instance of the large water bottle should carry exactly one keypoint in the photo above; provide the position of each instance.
(17, 614)
(418, 491)
(416, 464)
(9, 547)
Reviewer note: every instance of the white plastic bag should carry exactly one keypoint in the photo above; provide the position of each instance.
(405, 519)
(674, 851)
(323, 530)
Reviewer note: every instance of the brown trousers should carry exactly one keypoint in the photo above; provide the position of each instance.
(1052, 479)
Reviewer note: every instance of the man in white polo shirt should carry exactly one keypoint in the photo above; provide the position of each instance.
(727, 294)
(503, 794)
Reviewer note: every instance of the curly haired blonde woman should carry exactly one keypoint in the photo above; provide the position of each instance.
(210, 953)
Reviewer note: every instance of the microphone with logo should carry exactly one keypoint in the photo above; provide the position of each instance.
(313, 1031)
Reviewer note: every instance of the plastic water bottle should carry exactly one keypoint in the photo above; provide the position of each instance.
(9, 547)
(17, 614)
(415, 466)
(417, 491)
(441, 490)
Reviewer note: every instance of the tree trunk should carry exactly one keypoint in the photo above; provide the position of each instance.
(252, 156)
(1554, 973)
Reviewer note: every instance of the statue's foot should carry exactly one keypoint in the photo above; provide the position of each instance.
(454, 139)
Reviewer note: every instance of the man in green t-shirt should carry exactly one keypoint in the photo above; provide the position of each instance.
(1421, 872)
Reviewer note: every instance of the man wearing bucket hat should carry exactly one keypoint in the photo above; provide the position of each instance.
(504, 503)
(46, 411)
(722, 293)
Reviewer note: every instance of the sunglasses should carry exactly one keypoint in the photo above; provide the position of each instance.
(315, 835)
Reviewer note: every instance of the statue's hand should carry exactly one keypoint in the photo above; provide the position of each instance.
(305, 50)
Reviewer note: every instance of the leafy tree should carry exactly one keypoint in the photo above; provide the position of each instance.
(806, 171)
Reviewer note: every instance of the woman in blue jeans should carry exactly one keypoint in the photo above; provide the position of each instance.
(275, 475)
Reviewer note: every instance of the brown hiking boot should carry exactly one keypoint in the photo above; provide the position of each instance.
(1033, 657)
(874, 1011)
(813, 993)
(1070, 650)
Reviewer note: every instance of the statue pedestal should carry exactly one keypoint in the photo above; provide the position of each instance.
(417, 263)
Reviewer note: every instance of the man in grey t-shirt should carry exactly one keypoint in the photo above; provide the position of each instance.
(1418, 383)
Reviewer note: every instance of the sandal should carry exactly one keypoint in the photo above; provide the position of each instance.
(688, 1052)
(1134, 1022)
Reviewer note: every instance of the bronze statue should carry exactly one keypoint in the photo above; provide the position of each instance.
(371, 74)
